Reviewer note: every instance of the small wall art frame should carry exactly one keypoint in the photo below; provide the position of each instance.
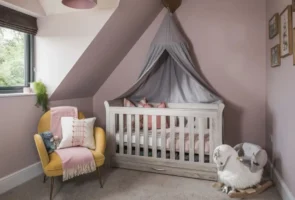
(286, 32)
(293, 5)
(294, 46)
(275, 56)
(273, 26)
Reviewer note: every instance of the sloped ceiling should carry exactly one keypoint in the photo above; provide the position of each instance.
(108, 48)
(53, 7)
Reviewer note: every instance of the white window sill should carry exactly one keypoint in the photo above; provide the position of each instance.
(16, 95)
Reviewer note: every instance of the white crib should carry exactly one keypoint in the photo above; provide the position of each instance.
(184, 147)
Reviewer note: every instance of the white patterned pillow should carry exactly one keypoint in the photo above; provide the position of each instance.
(77, 132)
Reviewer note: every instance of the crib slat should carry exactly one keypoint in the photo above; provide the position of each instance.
(145, 130)
(163, 137)
(121, 136)
(137, 141)
(181, 138)
(211, 143)
(172, 138)
(129, 129)
(191, 139)
(112, 136)
(202, 125)
(154, 135)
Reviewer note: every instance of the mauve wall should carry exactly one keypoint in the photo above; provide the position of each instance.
(280, 106)
(18, 123)
(228, 39)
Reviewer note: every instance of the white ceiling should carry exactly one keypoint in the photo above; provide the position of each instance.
(52, 7)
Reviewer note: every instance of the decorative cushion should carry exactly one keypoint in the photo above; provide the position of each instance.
(141, 103)
(77, 132)
(128, 103)
(48, 140)
(158, 118)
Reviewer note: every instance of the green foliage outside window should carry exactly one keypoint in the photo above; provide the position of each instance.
(12, 58)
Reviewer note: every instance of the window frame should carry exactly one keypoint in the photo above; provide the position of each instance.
(29, 67)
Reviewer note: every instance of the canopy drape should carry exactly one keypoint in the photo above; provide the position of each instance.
(169, 73)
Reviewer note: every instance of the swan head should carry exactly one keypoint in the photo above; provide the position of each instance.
(222, 154)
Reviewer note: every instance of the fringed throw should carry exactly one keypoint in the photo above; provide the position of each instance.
(79, 170)
(76, 161)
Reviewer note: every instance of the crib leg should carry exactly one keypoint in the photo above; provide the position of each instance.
(99, 176)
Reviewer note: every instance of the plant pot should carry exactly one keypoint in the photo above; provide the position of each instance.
(32, 87)
(27, 90)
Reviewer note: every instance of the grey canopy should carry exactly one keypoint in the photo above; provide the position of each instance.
(169, 74)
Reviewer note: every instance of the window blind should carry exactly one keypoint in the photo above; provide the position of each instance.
(18, 21)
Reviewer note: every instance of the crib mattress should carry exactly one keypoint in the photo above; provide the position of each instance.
(168, 140)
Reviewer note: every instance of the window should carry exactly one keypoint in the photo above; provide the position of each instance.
(16, 60)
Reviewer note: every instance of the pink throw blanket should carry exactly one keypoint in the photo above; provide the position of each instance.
(75, 160)
(56, 114)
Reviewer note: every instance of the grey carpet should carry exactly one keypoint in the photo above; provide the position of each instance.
(125, 185)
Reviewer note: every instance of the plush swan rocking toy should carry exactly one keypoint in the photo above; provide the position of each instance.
(240, 169)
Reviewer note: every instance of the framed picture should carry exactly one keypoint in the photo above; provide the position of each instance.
(286, 32)
(293, 46)
(273, 26)
(293, 5)
(275, 56)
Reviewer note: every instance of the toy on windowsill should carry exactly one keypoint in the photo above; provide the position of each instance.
(240, 169)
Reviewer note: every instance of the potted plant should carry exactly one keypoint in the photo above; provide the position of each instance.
(42, 97)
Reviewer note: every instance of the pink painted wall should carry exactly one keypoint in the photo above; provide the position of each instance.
(18, 123)
(280, 106)
(229, 44)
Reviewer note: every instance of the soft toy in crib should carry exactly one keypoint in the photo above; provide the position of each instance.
(240, 168)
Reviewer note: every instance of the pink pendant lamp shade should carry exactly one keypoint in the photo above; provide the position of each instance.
(80, 4)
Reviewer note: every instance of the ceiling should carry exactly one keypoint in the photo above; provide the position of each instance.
(42, 8)
(52, 7)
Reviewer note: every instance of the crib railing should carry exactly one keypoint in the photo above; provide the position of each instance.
(187, 124)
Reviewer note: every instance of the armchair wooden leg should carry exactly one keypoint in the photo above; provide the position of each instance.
(99, 176)
(51, 187)
(44, 178)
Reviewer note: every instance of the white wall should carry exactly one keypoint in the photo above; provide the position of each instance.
(62, 39)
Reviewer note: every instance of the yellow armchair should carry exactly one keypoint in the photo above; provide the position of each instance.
(52, 164)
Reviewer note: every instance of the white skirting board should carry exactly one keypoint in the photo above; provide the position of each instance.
(19, 177)
(280, 184)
